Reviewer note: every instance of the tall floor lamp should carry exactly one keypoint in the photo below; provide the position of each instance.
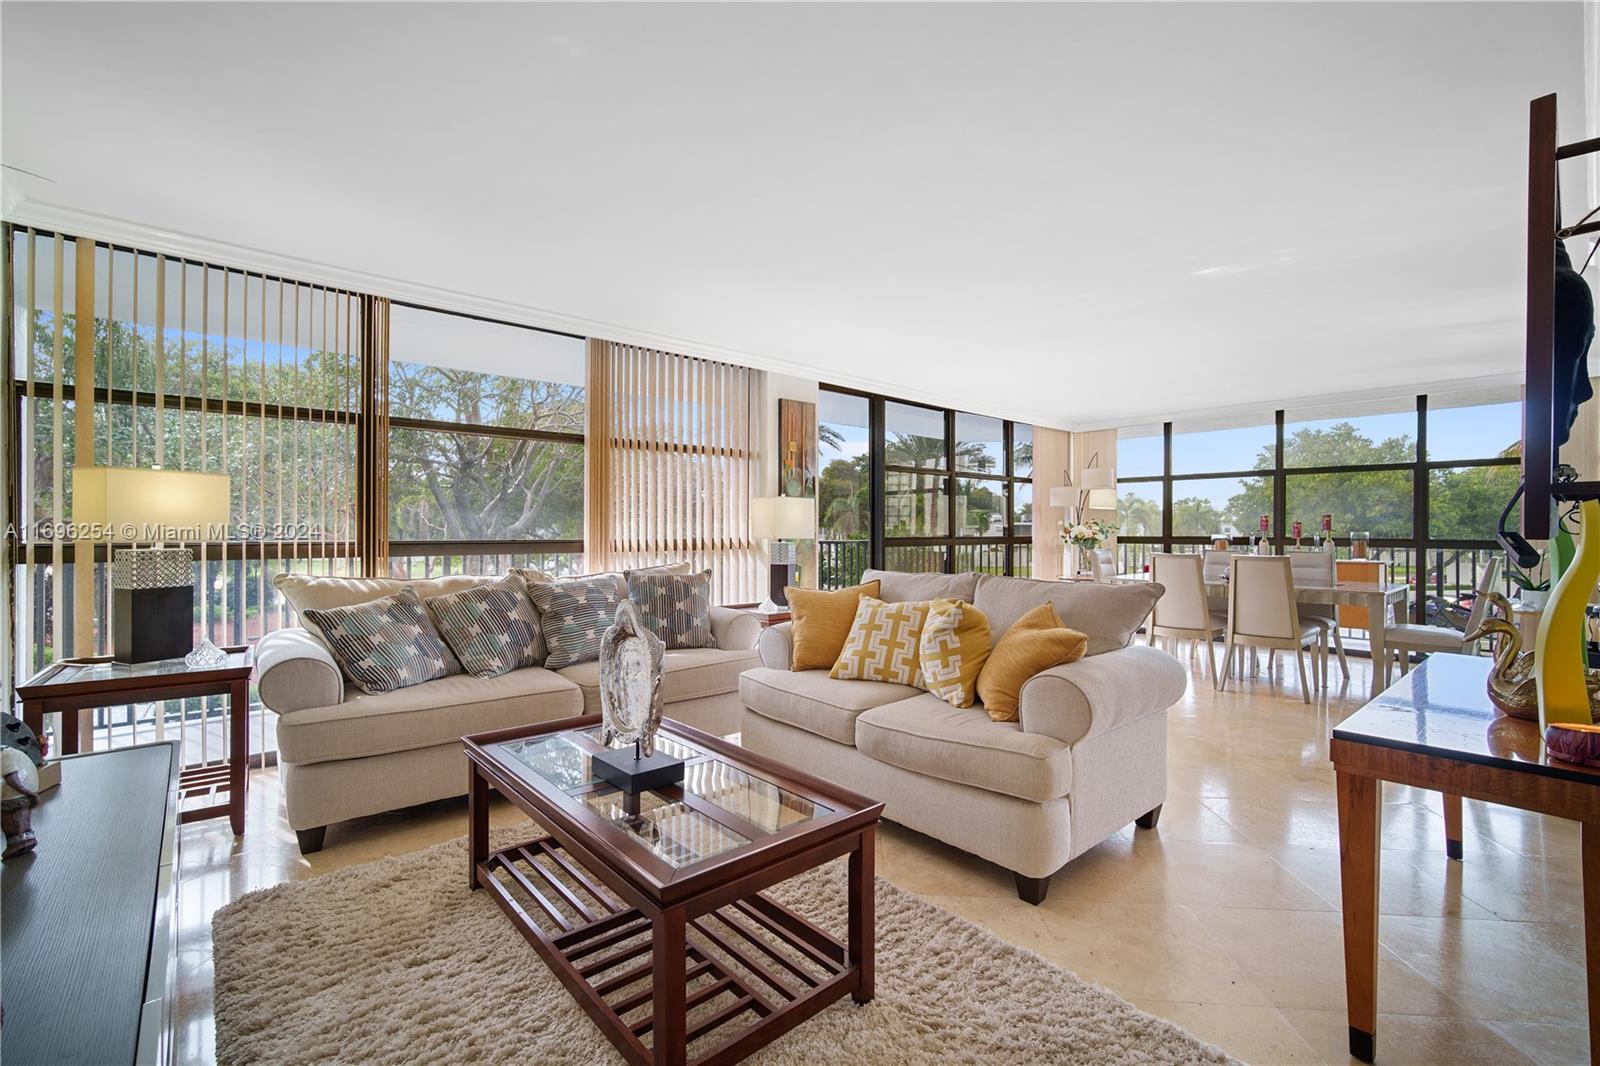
(1096, 491)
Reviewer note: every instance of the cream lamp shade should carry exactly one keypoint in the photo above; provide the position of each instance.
(141, 506)
(783, 518)
(1100, 483)
(1064, 496)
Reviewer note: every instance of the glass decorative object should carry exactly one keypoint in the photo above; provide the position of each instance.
(206, 656)
(1359, 546)
(630, 682)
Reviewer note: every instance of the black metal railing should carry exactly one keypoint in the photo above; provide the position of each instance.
(842, 562)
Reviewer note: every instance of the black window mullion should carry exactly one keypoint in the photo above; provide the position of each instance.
(1420, 520)
(1280, 484)
(1166, 486)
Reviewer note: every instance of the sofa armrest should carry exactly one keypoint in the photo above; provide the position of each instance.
(295, 670)
(734, 629)
(776, 646)
(1098, 693)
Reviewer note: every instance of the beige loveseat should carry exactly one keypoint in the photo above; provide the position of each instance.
(344, 753)
(1088, 756)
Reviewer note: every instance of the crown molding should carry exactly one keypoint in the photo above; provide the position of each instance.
(63, 218)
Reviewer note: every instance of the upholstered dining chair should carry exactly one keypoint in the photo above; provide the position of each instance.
(1262, 613)
(1407, 638)
(1217, 563)
(1104, 562)
(1316, 568)
(1182, 612)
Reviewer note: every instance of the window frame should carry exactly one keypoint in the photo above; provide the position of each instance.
(951, 541)
(1420, 542)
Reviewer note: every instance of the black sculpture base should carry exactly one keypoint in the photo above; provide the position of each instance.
(632, 775)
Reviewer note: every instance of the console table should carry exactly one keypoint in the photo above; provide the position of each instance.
(89, 937)
(1436, 729)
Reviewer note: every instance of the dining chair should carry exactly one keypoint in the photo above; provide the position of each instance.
(1216, 564)
(1262, 613)
(1407, 638)
(1182, 612)
(1315, 568)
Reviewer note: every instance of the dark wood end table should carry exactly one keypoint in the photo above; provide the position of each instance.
(1436, 729)
(74, 685)
(659, 927)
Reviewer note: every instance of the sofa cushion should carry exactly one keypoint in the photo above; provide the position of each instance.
(438, 712)
(895, 587)
(1107, 613)
(821, 623)
(1037, 642)
(493, 628)
(384, 644)
(675, 607)
(574, 616)
(884, 643)
(954, 647)
(686, 674)
(305, 592)
(815, 702)
(928, 736)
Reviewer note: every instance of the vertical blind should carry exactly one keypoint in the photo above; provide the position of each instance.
(123, 357)
(679, 467)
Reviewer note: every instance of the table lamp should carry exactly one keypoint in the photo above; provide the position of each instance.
(782, 520)
(152, 588)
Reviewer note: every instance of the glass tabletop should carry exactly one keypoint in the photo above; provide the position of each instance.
(719, 806)
(71, 673)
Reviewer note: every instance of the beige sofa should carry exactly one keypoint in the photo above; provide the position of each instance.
(1088, 756)
(344, 753)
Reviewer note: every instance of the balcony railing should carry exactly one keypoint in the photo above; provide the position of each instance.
(841, 563)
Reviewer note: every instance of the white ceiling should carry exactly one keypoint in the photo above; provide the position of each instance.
(1075, 215)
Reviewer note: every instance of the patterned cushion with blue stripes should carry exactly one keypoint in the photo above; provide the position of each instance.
(492, 628)
(384, 644)
(574, 615)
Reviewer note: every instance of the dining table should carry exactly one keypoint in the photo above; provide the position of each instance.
(1385, 601)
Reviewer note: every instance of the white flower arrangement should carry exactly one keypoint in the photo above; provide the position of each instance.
(1087, 536)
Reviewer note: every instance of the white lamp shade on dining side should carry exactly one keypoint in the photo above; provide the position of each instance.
(1096, 490)
(783, 518)
(142, 506)
(1064, 496)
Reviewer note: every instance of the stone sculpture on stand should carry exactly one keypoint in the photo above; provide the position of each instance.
(630, 711)
(20, 759)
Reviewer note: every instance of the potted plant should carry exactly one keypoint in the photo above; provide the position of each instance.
(1532, 590)
(1086, 537)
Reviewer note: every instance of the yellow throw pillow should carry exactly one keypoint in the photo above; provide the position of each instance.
(954, 647)
(822, 622)
(883, 643)
(1036, 642)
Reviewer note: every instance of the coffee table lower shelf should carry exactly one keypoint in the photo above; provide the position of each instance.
(754, 967)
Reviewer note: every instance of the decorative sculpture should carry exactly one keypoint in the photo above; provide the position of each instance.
(1511, 686)
(630, 683)
(20, 759)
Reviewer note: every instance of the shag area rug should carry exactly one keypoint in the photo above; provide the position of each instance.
(396, 961)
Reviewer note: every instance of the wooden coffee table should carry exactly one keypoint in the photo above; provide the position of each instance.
(660, 929)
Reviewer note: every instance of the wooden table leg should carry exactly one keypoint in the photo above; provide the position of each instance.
(238, 752)
(1589, 835)
(669, 1026)
(862, 933)
(33, 718)
(477, 823)
(1359, 820)
(1452, 826)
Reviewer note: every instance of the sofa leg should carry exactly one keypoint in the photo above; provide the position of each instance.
(1149, 818)
(1032, 889)
(311, 839)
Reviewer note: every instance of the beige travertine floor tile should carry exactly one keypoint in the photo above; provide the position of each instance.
(1228, 907)
(1260, 1035)
(1286, 955)
(1411, 1040)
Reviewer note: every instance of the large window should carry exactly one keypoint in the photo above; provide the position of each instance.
(1424, 479)
(918, 488)
(485, 446)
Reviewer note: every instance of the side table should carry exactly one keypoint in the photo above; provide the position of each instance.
(74, 685)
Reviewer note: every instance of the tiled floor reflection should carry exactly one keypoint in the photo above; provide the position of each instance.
(1225, 919)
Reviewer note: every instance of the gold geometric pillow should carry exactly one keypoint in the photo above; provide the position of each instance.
(883, 643)
(954, 647)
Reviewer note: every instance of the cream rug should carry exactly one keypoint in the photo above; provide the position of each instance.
(396, 962)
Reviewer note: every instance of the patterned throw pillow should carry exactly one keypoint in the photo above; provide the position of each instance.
(1036, 641)
(574, 615)
(492, 628)
(883, 643)
(954, 646)
(676, 609)
(384, 644)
